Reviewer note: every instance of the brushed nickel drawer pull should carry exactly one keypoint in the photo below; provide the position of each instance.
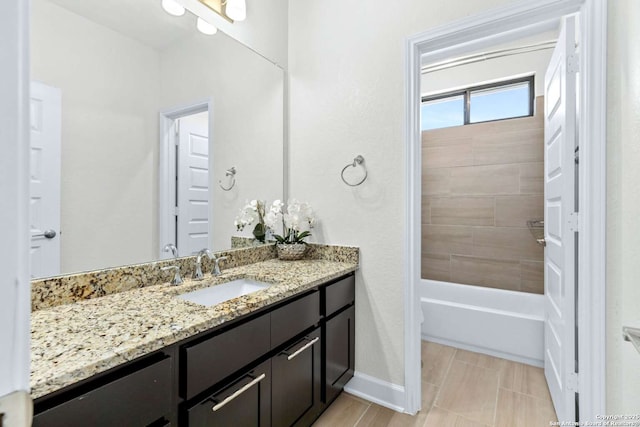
(303, 348)
(239, 392)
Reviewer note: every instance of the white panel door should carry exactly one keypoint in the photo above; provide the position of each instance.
(44, 211)
(193, 185)
(560, 223)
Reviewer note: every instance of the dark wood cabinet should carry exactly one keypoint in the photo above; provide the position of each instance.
(339, 352)
(205, 363)
(297, 383)
(136, 398)
(245, 401)
(279, 367)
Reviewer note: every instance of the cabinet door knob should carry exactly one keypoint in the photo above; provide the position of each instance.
(238, 392)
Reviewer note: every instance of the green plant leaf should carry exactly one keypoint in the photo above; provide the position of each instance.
(303, 235)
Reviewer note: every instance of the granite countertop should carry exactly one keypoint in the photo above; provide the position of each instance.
(72, 342)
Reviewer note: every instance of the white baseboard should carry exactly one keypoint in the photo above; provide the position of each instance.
(383, 393)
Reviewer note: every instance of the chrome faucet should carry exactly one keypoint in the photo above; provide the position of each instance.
(177, 279)
(170, 247)
(197, 274)
(216, 265)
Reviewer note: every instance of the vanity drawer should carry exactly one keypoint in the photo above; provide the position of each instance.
(294, 317)
(210, 361)
(138, 398)
(340, 294)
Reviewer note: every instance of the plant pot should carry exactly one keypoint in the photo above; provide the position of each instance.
(291, 252)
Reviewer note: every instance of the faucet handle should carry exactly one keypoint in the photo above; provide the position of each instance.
(177, 279)
(216, 265)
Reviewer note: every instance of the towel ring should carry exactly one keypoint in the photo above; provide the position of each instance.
(231, 172)
(359, 160)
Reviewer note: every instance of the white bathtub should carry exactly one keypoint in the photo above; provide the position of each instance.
(501, 323)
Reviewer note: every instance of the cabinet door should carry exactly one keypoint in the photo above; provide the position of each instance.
(340, 352)
(297, 382)
(244, 402)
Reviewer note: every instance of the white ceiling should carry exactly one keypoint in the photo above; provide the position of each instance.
(142, 20)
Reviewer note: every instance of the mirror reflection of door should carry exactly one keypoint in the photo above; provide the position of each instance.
(44, 164)
(192, 184)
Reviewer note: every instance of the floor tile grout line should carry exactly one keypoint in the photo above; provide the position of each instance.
(525, 394)
(362, 415)
(444, 379)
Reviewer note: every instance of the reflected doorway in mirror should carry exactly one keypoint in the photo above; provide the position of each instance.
(185, 187)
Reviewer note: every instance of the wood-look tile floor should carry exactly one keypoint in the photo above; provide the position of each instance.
(459, 389)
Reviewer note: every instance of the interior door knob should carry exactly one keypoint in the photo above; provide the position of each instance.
(49, 234)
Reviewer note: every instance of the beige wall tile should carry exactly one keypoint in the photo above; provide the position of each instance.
(446, 239)
(470, 391)
(532, 274)
(514, 211)
(436, 359)
(446, 156)
(487, 272)
(531, 178)
(485, 180)
(515, 409)
(462, 210)
(436, 267)
(436, 182)
(426, 210)
(438, 138)
(506, 243)
(499, 148)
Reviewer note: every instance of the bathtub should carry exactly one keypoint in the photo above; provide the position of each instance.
(497, 322)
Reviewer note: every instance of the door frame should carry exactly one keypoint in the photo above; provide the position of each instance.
(15, 306)
(494, 26)
(167, 170)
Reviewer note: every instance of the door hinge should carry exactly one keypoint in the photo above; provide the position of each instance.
(574, 221)
(573, 63)
(176, 127)
(573, 382)
(176, 211)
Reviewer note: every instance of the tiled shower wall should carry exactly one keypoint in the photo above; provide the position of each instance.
(480, 185)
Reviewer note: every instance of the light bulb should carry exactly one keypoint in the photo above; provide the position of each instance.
(236, 10)
(205, 28)
(172, 7)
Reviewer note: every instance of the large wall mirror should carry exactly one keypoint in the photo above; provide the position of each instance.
(146, 119)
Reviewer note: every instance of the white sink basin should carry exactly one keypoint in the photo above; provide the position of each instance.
(220, 293)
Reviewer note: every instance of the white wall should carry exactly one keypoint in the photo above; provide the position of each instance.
(623, 206)
(247, 126)
(264, 30)
(109, 88)
(347, 98)
(14, 251)
(494, 69)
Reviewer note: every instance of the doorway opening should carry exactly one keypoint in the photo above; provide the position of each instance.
(504, 25)
(184, 180)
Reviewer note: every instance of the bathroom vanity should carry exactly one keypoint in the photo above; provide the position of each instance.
(277, 357)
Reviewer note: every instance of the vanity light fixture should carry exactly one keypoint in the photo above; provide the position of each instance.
(205, 27)
(236, 9)
(172, 7)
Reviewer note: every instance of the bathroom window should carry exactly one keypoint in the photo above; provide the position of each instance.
(508, 99)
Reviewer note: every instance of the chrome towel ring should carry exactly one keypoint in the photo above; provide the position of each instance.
(359, 160)
(231, 172)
